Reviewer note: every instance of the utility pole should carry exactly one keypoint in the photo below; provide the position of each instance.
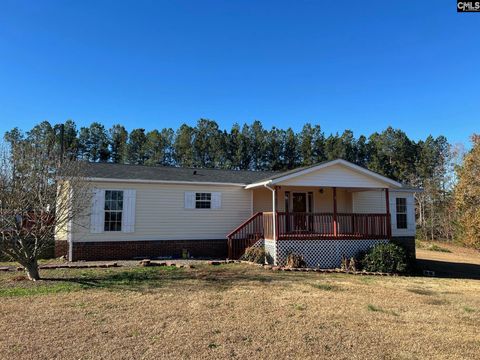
(62, 142)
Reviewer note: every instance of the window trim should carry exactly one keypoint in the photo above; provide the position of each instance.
(122, 211)
(402, 213)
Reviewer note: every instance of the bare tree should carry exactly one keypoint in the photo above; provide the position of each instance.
(41, 195)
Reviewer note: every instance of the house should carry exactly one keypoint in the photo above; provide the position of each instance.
(322, 212)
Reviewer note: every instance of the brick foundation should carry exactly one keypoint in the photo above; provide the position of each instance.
(407, 242)
(61, 248)
(124, 250)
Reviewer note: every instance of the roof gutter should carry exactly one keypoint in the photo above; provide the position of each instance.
(143, 181)
(258, 184)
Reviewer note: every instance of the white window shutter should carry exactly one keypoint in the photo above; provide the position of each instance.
(410, 212)
(128, 216)
(97, 216)
(216, 200)
(189, 200)
(393, 212)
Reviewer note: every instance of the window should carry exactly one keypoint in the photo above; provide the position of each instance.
(203, 200)
(113, 210)
(401, 207)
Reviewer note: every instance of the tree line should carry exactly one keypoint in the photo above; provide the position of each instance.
(426, 163)
(246, 147)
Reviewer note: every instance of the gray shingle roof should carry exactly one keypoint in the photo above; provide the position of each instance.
(173, 174)
(167, 173)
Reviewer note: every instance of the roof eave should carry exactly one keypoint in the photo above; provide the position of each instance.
(145, 181)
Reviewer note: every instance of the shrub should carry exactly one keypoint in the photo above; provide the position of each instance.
(389, 258)
(295, 261)
(435, 247)
(255, 254)
(351, 264)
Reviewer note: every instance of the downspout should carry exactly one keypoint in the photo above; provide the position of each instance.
(274, 210)
(70, 225)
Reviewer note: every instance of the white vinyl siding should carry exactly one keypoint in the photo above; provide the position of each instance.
(369, 202)
(162, 213)
(336, 175)
(322, 200)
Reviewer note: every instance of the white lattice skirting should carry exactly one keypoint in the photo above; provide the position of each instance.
(317, 253)
(270, 249)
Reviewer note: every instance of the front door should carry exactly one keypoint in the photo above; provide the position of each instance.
(299, 207)
(299, 202)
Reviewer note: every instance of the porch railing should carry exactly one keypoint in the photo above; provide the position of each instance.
(306, 226)
(245, 235)
(329, 225)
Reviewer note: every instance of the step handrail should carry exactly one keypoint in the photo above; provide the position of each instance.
(245, 223)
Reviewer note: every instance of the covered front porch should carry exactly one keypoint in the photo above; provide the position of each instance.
(324, 213)
(321, 212)
(295, 213)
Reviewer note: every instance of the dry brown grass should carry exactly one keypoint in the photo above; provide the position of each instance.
(238, 311)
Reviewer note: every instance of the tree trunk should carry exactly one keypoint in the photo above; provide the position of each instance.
(32, 270)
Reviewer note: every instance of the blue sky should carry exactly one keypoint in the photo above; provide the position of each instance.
(359, 65)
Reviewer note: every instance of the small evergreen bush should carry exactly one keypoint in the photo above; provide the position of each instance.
(255, 254)
(388, 258)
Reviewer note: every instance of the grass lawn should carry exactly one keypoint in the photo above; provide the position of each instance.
(236, 311)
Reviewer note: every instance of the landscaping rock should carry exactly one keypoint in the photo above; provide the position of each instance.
(145, 262)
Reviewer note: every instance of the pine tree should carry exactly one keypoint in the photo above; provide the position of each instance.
(319, 154)
(306, 145)
(42, 136)
(154, 148)
(258, 145)
(168, 136)
(183, 146)
(208, 144)
(275, 140)
(291, 149)
(233, 160)
(118, 144)
(137, 152)
(99, 143)
(243, 152)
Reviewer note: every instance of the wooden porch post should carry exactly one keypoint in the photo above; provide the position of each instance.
(335, 212)
(387, 209)
(274, 209)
